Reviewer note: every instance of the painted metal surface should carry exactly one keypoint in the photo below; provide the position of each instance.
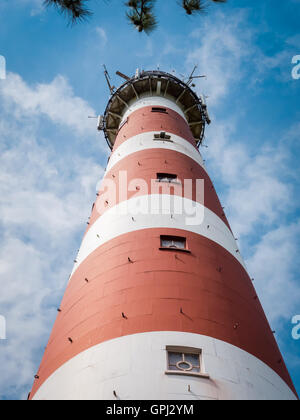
(133, 366)
(144, 120)
(146, 141)
(130, 275)
(126, 217)
(153, 101)
(136, 175)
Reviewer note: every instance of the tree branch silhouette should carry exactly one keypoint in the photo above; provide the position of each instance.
(140, 13)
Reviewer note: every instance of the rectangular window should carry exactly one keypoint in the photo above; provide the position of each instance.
(173, 242)
(158, 109)
(164, 177)
(185, 361)
(162, 136)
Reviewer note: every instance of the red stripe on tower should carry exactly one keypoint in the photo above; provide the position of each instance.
(159, 304)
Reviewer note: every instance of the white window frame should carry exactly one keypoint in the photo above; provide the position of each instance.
(186, 350)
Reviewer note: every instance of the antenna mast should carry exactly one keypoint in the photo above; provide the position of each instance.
(192, 77)
(107, 77)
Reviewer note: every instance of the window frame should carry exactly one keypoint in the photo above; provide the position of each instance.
(184, 351)
(174, 238)
(167, 178)
(163, 136)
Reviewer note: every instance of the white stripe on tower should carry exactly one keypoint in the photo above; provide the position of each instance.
(156, 213)
(153, 101)
(146, 141)
(230, 368)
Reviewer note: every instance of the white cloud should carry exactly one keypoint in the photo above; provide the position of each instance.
(35, 7)
(228, 54)
(256, 192)
(102, 34)
(45, 202)
(225, 44)
(275, 266)
(55, 100)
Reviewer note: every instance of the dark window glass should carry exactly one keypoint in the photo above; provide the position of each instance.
(173, 242)
(161, 110)
(163, 177)
(162, 136)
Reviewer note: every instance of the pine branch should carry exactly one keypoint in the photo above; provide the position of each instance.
(194, 6)
(141, 15)
(197, 6)
(74, 10)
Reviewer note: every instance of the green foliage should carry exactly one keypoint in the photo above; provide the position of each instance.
(194, 6)
(140, 13)
(74, 10)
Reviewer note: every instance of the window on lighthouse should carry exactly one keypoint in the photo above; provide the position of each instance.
(158, 109)
(185, 361)
(163, 177)
(162, 136)
(173, 242)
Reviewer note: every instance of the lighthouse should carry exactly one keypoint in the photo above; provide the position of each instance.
(159, 305)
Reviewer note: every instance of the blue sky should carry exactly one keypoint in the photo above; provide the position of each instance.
(51, 156)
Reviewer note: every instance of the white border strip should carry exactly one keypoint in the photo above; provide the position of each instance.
(133, 366)
(154, 101)
(146, 141)
(118, 221)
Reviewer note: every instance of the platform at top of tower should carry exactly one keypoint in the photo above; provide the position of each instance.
(155, 83)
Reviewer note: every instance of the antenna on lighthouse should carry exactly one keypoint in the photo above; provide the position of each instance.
(100, 124)
(204, 107)
(192, 77)
(118, 73)
(107, 77)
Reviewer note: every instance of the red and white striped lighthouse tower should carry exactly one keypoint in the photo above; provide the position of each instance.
(159, 304)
